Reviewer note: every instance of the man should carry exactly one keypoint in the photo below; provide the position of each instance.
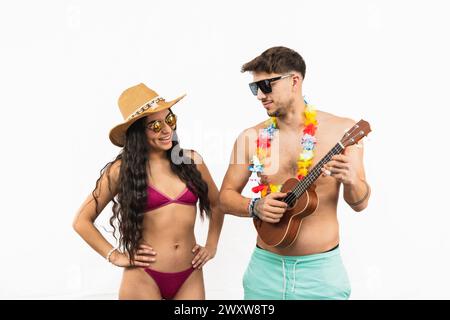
(311, 267)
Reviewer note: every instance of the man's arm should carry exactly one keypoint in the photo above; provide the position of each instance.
(357, 192)
(230, 198)
(348, 168)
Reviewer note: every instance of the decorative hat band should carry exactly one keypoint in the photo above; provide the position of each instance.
(149, 105)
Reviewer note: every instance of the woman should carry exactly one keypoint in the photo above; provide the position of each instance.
(155, 187)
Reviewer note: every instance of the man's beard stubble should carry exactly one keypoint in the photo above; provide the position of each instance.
(275, 114)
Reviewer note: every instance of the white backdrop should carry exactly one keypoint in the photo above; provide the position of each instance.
(64, 63)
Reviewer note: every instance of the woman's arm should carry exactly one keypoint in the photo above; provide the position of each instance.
(216, 218)
(85, 217)
(83, 222)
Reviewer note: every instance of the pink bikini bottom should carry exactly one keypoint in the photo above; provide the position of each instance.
(169, 282)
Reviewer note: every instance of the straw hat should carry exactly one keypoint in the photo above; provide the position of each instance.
(134, 103)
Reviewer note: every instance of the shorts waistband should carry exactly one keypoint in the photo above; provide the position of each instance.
(267, 255)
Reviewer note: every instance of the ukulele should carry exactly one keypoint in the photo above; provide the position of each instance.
(301, 196)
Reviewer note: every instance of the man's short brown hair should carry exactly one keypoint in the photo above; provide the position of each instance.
(276, 60)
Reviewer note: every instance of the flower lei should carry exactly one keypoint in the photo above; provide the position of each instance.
(265, 137)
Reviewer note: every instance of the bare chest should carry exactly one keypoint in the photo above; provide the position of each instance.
(285, 150)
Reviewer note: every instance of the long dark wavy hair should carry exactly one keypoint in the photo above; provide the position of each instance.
(130, 201)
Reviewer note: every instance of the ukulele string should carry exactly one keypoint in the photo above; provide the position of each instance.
(313, 173)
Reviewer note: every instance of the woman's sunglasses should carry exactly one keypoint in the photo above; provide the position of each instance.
(157, 125)
(265, 85)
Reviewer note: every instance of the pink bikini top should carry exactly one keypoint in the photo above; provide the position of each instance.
(157, 199)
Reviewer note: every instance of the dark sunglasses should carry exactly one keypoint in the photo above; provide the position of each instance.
(157, 125)
(265, 85)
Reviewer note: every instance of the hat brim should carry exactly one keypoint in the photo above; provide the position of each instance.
(117, 134)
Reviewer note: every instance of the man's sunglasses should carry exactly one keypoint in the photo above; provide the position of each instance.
(157, 125)
(265, 85)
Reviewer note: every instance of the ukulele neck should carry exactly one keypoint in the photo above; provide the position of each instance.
(316, 171)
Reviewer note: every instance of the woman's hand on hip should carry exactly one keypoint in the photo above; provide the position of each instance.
(144, 257)
(202, 255)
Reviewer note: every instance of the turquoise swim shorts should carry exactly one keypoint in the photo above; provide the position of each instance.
(275, 277)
